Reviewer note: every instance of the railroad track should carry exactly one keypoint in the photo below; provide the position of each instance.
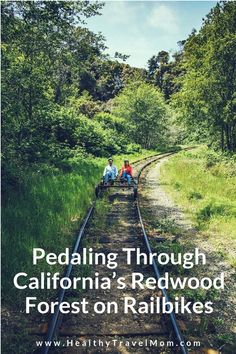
(124, 228)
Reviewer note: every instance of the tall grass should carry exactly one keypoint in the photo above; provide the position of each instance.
(204, 184)
(46, 213)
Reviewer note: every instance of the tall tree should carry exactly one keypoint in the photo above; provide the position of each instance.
(161, 72)
(144, 109)
(207, 96)
(43, 53)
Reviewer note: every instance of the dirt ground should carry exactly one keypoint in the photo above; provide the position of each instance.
(220, 327)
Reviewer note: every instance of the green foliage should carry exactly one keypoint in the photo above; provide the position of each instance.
(45, 213)
(194, 195)
(54, 74)
(206, 100)
(210, 210)
(177, 186)
(41, 48)
(79, 131)
(132, 148)
(84, 104)
(111, 121)
(104, 78)
(162, 72)
(143, 107)
(227, 338)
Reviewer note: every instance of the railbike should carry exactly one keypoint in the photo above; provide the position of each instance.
(117, 183)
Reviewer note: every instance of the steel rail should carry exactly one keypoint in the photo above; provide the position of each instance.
(155, 155)
(57, 316)
(174, 323)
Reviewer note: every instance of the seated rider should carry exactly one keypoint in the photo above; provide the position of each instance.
(110, 171)
(126, 172)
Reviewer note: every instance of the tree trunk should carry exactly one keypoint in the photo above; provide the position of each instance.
(234, 137)
(227, 135)
(222, 137)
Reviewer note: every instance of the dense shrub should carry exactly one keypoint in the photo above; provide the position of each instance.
(110, 121)
(146, 114)
(132, 147)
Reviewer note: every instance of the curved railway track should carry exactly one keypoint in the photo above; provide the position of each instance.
(124, 228)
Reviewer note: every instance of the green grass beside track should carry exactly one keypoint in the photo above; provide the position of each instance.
(204, 184)
(46, 212)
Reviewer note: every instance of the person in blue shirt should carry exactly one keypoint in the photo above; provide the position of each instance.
(110, 172)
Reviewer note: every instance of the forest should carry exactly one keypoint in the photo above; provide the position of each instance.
(67, 106)
(62, 96)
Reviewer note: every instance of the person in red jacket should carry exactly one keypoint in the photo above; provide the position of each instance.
(126, 172)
